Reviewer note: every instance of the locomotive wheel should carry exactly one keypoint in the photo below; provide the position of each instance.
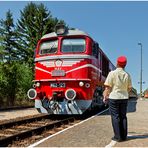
(98, 98)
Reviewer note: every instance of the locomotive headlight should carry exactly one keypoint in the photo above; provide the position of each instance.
(81, 84)
(38, 84)
(87, 85)
(70, 94)
(32, 94)
(60, 29)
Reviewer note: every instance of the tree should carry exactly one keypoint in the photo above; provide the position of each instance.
(8, 45)
(9, 58)
(35, 21)
(17, 44)
(1, 52)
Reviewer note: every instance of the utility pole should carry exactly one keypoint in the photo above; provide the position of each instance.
(141, 71)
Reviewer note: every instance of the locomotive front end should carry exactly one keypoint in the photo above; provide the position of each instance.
(62, 84)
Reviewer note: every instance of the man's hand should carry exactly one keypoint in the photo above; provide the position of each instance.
(106, 94)
(105, 100)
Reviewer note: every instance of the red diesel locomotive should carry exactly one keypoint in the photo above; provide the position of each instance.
(70, 70)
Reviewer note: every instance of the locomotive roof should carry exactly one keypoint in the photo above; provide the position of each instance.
(69, 33)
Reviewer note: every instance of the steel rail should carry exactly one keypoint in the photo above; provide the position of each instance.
(13, 122)
(5, 141)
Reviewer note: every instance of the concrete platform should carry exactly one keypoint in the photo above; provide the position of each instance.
(97, 131)
(12, 114)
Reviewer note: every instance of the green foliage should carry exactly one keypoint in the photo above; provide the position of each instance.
(8, 83)
(8, 45)
(8, 51)
(24, 80)
(15, 80)
(17, 46)
(3, 85)
(35, 21)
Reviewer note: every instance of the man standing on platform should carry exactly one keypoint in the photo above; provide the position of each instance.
(117, 86)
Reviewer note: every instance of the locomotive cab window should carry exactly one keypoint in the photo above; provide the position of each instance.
(48, 47)
(73, 45)
(95, 49)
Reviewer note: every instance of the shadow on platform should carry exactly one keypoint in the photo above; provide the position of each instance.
(143, 136)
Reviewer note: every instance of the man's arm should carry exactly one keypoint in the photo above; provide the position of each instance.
(106, 93)
(129, 84)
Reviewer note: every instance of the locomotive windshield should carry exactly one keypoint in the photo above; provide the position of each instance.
(73, 45)
(49, 47)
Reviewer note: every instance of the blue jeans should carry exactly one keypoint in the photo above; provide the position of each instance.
(118, 109)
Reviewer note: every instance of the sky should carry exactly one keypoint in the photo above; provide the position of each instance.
(118, 27)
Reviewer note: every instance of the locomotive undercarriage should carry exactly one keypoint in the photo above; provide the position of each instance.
(62, 107)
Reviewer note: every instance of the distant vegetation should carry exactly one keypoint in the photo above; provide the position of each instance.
(17, 45)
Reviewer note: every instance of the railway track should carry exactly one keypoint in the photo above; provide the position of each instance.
(24, 131)
(11, 133)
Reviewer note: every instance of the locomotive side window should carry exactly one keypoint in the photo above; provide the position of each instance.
(95, 50)
(48, 47)
(73, 45)
(105, 66)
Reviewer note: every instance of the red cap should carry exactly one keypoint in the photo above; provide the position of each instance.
(121, 61)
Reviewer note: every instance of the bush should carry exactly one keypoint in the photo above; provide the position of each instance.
(15, 80)
(24, 81)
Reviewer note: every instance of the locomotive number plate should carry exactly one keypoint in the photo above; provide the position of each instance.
(57, 85)
(58, 73)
